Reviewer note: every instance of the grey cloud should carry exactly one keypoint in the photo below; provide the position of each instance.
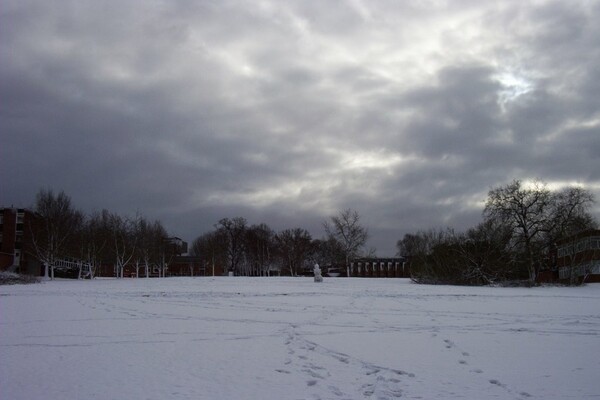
(283, 112)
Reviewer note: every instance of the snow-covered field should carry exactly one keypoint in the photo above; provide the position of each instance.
(291, 338)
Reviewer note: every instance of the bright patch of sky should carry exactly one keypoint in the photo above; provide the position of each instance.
(514, 85)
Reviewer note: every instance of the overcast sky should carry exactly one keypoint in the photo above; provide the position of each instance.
(285, 112)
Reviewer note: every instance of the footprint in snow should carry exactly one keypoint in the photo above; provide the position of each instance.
(313, 366)
(369, 390)
(336, 391)
(496, 382)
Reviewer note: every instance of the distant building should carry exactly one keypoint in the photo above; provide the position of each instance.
(578, 257)
(379, 268)
(193, 266)
(176, 246)
(16, 241)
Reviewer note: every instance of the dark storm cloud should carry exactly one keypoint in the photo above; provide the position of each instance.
(285, 112)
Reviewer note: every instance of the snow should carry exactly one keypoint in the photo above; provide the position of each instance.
(289, 338)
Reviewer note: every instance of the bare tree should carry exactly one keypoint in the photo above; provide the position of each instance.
(570, 213)
(538, 217)
(485, 251)
(410, 245)
(150, 237)
(169, 247)
(432, 255)
(123, 240)
(95, 240)
(347, 230)
(328, 252)
(212, 247)
(259, 249)
(527, 211)
(234, 230)
(57, 222)
(294, 248)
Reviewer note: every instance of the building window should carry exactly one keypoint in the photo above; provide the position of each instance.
(580, 246)
(565, 251)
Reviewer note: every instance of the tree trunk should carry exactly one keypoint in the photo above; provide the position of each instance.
(347, 268)
(531, 267)
(46, 268)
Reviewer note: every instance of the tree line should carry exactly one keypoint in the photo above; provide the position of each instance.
(60, 232)
(258, 250)
(521, 226)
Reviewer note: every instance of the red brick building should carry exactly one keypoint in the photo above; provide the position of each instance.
(16, 241)
(578, 257)
(193, 266)
(379, 268)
